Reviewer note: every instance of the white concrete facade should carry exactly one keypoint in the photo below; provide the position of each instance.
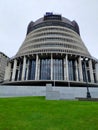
(3, 64)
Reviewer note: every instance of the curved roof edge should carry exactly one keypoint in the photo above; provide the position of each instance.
(95, 59)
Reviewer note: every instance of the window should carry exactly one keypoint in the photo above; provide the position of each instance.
(58, 69)
(84, 71)
(32, 66)
(45, 69)
(72, 70)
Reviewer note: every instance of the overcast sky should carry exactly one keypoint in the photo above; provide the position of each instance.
(15, 16)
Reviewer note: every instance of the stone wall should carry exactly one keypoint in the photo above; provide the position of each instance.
(65, 92)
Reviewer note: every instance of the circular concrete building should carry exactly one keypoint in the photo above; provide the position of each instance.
(52, 52)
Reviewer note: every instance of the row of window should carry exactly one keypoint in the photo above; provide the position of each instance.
(52, 42)
(52, 17)
(54, 23)
(53, 45)
(44, 39)
(47, 33)
(53, 28)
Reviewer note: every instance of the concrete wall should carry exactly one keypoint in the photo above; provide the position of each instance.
(65, 92)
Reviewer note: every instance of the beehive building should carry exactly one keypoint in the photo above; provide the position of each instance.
(52, 52)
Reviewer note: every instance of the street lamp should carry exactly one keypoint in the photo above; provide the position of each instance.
(54, 74)
(88, 95)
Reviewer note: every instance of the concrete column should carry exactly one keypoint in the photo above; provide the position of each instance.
(36, 71)
(18, 68)
(14, 70)
(7, 72)
(27, 70)
(76, 71)
(24, 67)
(80, 69)
(67, 75)
(96, 71)
(86, 68)
(51, 67)
(91, 71)
(65, 78)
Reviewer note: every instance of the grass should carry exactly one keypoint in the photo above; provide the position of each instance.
(35, 113)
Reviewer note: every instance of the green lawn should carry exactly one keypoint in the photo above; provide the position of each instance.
(36, 113)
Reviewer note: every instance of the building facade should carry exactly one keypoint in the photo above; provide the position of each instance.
(3, 64)
(52, 52)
